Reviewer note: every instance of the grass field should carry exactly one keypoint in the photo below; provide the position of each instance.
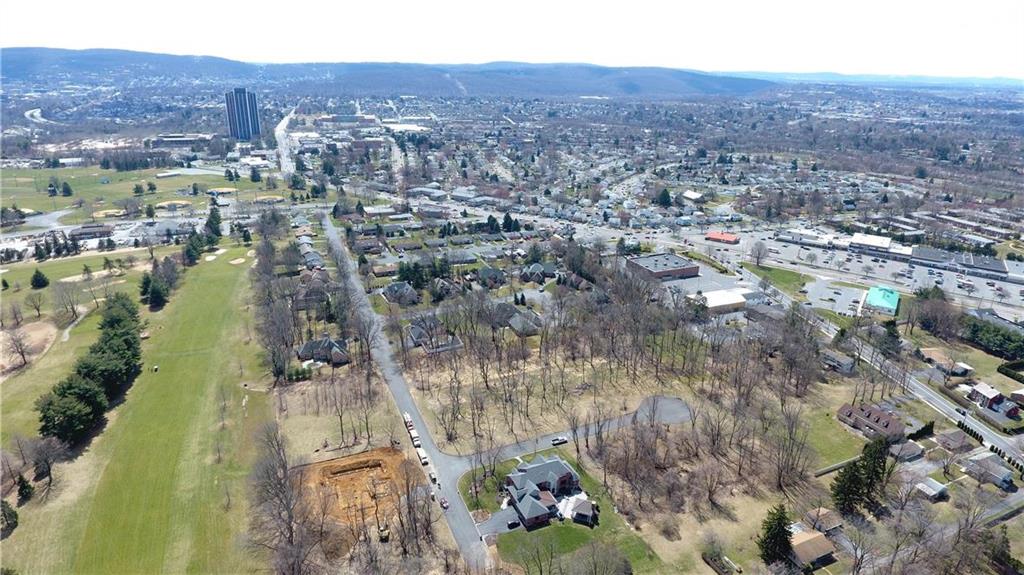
(148, 494)
(19, 274)
(26, 188)
(568, 536)
(788, 281)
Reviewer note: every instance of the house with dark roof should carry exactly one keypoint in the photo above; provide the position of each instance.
(314, 290)
(872, 421)
(326, 350)
(490, 277)
(428, 332)
(400, 293)
(533, 488)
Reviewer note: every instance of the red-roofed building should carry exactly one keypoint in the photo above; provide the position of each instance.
(722, 237)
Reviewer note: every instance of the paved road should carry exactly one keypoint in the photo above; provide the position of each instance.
(921, 390)
(448, 468)
(284, 154)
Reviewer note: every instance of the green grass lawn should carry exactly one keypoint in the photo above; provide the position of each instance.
(26, 188)
(826, 436)
(704, 258)
(487, 494)
(19, 393)
(155, 498)
(788, 281)
(567, 536)
(834, 318)
(19, 274)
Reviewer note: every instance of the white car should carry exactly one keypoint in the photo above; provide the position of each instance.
(560, 440)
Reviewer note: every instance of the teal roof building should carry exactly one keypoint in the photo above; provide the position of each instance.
(883, 299)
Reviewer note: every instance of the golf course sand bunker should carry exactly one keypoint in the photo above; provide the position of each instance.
(237, 261)
(220, 251)
(210, 258)
(81, 277)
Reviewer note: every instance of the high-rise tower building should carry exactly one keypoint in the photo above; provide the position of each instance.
(243, 115)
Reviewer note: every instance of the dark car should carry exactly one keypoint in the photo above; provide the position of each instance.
(512, 523)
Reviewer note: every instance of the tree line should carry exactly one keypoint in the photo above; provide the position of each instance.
(76, 405)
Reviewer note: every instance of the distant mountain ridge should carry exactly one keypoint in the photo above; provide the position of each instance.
(491, 79)
(883, 79)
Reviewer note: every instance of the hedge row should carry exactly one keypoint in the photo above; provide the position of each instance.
(75, 406)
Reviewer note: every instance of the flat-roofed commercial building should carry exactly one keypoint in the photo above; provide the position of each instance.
(663, 267)
(883, 300)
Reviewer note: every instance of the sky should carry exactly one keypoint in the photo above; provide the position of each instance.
(979, 38)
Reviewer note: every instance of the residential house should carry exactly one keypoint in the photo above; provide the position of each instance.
(811, 548)
(525, 323)
(490, 277)
(400, 293)
(985, 396)
(314, 290)
(428, 332)
(533, 487)
(931, 489)
(837, 360)
(872, 421)
(537, 273)
(325, 350)
(987, 467)
(906, 451)
(955, 441)
(823, 519)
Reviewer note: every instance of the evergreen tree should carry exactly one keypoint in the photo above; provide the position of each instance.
(39, 280)
(65, 418)
(150, 211)
(506, 223)
(872, 466)
(65, 190)
(145, 283)
(246, 236)
(138, 190)
(25, 488)
(213, 222)
(664, 198)
(775, 541)
(848, 489)
(8, 517)
(157, 294)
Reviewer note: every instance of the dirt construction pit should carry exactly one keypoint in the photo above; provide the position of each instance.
(363, 485)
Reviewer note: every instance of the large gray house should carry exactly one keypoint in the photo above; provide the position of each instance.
(533, 488)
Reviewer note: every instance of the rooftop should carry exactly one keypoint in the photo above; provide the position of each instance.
(662, 262)
(883, 297)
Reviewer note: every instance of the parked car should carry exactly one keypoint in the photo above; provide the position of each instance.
(444, 503)
(512, 523)
(433, 477)
(560, 440)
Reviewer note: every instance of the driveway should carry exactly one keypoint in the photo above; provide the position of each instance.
(498, 522)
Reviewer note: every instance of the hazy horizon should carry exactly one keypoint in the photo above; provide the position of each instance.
(794, 37)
